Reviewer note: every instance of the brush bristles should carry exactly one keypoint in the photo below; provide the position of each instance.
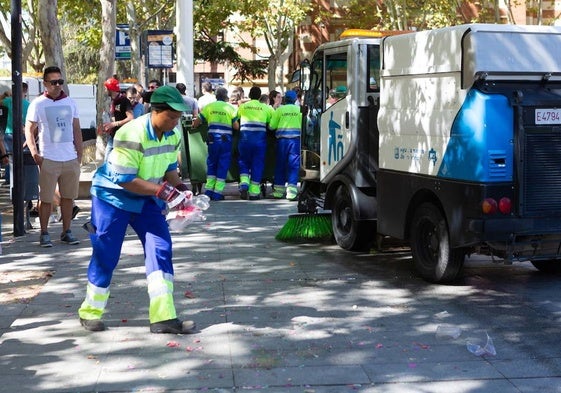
(306, 227)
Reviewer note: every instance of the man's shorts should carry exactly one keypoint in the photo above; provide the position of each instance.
(64, 173)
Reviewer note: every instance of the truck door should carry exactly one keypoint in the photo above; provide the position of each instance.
(334, 119)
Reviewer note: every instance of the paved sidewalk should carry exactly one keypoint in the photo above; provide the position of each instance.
(272, 317)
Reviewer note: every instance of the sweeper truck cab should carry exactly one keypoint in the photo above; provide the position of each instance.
(449, 139)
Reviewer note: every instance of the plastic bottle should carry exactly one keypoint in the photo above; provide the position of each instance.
(179, 219)
(478, 350)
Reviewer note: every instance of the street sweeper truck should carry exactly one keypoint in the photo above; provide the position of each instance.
(449, 139)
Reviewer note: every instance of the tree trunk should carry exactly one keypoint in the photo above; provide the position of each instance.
(49, 30)
(106, 59)
(134, 36)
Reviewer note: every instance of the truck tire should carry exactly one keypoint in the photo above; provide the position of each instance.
(350, 234)
(550, 267)
(434, 260)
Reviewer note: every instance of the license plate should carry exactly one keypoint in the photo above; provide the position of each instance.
(548, 116)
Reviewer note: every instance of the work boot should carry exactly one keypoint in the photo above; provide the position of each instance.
(243, 191)
(173, 326)
(93, 325)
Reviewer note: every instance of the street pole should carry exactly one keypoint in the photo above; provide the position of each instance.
(184, 33)
(17, 158)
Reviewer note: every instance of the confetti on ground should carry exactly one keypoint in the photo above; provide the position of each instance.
(189, 295)
(172, 344)
(422, 346)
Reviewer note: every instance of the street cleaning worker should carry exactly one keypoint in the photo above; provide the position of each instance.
(132, 188)
(287, 121)
(254, 119)
(222, 119)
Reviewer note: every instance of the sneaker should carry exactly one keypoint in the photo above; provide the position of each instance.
(68, 238)
(75, 211)
(254, 197)
(93, 325)
(173, 326)
(210, 194)
(45, 240)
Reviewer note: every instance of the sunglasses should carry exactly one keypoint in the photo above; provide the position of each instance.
(55, 82)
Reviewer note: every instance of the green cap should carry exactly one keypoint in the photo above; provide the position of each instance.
(169, 95)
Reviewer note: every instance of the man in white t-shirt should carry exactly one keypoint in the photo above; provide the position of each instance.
(207, 97)
(53, 119)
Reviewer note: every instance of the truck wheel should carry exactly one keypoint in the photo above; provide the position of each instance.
(434, 260)
(349, 233)
(550, 267)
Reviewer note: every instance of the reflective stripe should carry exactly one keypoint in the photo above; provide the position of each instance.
(288, 133)
(253, 126)
(159, 283)
(130, 145)
(210, 182)
(219, 186)
(124, 170)
(95, 302)
(159, 276)
(244, 178)
(160, 291)
(157, 150)
(220, 132)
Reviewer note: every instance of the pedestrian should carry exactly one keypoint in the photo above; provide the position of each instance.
(53, 118)
(120, 112)
(192, 104)
(235, 99)
(222, 120)
(187, 121)
(132, 188)
(240, 94)
(254, 119)
(134, 98)
(152, 85)
(207, 97)
(264, 98)
(275, 99)
(9, 131)
(287, 121)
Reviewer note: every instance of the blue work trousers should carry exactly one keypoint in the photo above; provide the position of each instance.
(111, 224)
(252, 148)
(287, 162)
(219, 155)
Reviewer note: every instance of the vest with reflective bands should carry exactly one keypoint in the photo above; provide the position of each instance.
(136, 153)
(219, 115)
(254, 116)
(287, 121)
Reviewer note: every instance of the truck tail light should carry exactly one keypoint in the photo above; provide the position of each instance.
(490, 206)
(505, 205)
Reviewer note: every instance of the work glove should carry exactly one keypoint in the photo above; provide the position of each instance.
(174, 198)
